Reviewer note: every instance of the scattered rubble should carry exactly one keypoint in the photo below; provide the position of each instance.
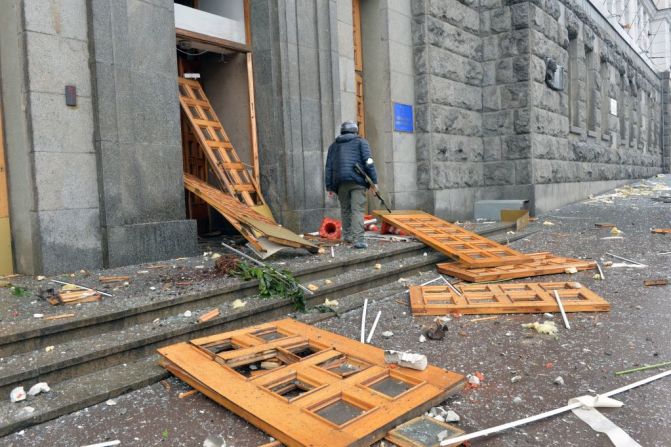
(238, 303)
(406, 359)
(41, 387)
(559, 381)
(17, 394)
(548, 327)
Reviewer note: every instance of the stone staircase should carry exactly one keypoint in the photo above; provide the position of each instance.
(102, 356)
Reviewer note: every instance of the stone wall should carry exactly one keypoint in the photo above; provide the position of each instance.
(51, 164)
(579, 147)
(296, 74)
(89, 184)
(448, 99)
(136, 112)
(666, 123)
(488, 125)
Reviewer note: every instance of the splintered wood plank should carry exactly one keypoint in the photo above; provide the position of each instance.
(304, 385)
(214, 141)
(469, 248)
(249, 223)
(542, 264)
(504, 299)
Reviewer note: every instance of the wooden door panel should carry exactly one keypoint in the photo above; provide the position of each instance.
(469, 248)
(341, 391)
(504, 298)
(542, 264)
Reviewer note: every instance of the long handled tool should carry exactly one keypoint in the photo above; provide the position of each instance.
(359, 170)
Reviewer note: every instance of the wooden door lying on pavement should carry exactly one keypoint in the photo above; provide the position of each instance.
(469, 248)
(543, 263)
(306, 386)
(504, 299)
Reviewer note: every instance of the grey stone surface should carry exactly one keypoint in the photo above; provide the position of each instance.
(137, 130)
(148, 242)
(66, 18)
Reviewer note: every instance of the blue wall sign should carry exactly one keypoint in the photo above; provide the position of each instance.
(403, 120)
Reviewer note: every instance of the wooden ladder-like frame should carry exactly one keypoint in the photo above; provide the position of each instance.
(221, 155)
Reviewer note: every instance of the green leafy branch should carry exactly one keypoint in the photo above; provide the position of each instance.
(273, 283)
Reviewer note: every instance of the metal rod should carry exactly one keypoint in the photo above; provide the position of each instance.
(257, 262)
(332, 252)
(81, 287)
(454, 289)
(642, 368)
(363, 321)
(427, 283)
(372, 330)
(561, 309)
(600, 271)
(547, 414)
(104, 444)
(625, 259)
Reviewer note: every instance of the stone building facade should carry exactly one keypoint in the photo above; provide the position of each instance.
(99, 184)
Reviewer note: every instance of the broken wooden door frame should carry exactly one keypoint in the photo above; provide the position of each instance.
(245, 48)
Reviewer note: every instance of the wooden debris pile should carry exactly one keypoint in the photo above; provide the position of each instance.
(480, 260)
(239, 200)
(72, 297)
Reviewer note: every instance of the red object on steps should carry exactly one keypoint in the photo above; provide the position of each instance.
(330, 228)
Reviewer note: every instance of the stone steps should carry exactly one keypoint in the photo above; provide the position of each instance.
(107, 348)
(91, 382)
(50, 333)
(87, 367)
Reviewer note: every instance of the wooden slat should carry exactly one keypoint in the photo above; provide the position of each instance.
(295, 421)
(541, 264)
(215, 143)
(504, 299)
(252, 116)
(6, 265)
(469, 248)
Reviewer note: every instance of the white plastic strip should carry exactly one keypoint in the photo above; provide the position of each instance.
(561, 309)
(547, 414)
(588, 413)
(104, 444)
(363, 321)
(372, 330)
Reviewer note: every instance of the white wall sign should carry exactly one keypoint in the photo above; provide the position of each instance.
(613, 107)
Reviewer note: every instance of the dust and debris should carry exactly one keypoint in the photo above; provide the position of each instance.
(547, 327)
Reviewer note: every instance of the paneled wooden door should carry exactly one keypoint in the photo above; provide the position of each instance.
(306, 386)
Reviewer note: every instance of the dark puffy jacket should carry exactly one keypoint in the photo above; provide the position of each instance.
(344, 153)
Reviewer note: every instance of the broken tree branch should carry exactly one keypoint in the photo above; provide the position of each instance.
(238, 252)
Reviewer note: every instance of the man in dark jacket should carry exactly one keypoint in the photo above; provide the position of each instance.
(346, 151)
